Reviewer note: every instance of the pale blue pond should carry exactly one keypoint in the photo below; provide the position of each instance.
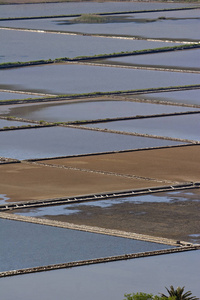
(188, 59)
(28, 46)
(69, 111)
(49, 9)
(8, 123)
(187, 96)
(26, 245)
(11, 96)
(74, 78)
(60, 141)
(109, 280)
(181, 127)
(75, 208)
(180, 29)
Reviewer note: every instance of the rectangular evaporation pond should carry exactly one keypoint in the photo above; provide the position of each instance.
(29, 46)
(109, 280)
(61, 212)
(60, 141)
(74, 79)
(186, 97)
(13, 96)
(91, 110)
(180, 127)
(162, 28)
(19, 249)
(8, 123)
(186, 59)
(49, 9)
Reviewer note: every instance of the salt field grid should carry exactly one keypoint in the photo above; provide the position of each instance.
(162, 215)
(61, 246)
(190, 97)
(163, 28)
(109, 280)
(9, 123)
(28, 46)
(180, 126)
(38, 142)
(65, 111)
(186, 59)
(49, 9)
(59, 79)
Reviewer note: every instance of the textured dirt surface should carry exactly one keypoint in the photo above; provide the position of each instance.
(23, 182)
(178, 164)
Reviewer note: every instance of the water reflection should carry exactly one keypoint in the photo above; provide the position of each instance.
(91, 110)
(182, 127)
(60, 141)
(32, 245)
(90, 78)
(180, 59)
(110, 280)
(188, 96)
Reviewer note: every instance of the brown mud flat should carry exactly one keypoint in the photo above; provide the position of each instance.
(25, 182)
(175, 220)
(175, 164)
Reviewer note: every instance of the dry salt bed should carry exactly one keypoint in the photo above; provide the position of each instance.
(8, 123)
(28, 46)
(51, 245)
(185, 59)
(187, 97)
(13, 96)
(180, 29)
(180, 126)
(49, 9)
(60, 141)
(75, 78)
(109, 280)
(91, 110)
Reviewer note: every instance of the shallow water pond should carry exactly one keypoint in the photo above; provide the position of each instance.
(181, 127)
(187, 97)
(188, 59)
(28, 46)
(181, 29)
(74, 78)
(11, 96)
(68, 209)
(8, 123)
(109, 281)
(25, 245)
(63, 111)
(67, 8)
(60, 141)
